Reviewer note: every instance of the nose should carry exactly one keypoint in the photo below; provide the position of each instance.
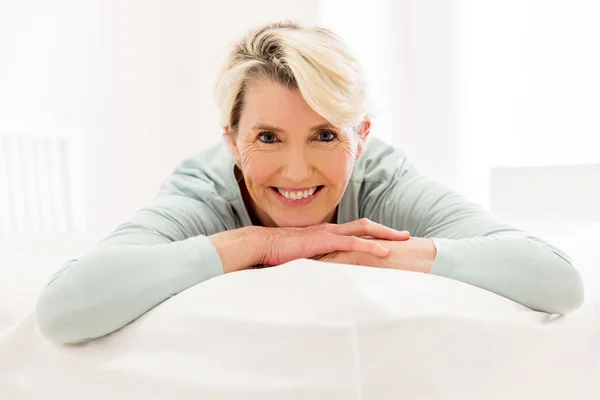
(296, 166)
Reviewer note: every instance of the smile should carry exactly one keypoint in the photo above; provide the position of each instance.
(297, 196)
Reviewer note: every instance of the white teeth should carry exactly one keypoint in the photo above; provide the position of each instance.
(297, 195)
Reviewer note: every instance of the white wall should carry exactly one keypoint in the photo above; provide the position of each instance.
(407, 48)
(529, 86)
(430, 58)
(368, 31)
(462, 85)
(465, 86)
(134, 78)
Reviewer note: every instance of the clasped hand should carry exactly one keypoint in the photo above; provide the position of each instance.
(361, 242)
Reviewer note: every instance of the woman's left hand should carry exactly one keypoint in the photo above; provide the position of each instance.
(415, 254)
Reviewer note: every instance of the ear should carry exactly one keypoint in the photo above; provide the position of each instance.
(231, 143)
(364, 130)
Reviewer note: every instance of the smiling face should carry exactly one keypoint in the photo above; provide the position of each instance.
(295, 164)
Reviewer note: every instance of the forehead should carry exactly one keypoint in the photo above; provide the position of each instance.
(270, 103)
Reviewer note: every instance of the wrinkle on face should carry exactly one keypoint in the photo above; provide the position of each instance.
(299, 157)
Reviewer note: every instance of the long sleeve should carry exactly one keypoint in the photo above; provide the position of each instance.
(162, 250)
(472, 246)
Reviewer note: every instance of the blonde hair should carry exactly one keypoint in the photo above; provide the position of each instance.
(312, 60)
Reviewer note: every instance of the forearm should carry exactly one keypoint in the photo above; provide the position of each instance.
(516, 267)
(239, 248)
(416, 254)
(116, 283)
(519, 268)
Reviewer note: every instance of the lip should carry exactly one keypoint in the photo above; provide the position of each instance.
(295, 189)
(297, 203)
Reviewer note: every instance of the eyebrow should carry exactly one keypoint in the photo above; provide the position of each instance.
(271, 128)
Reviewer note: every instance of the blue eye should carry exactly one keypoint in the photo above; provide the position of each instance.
(327, 136)
(267, 137)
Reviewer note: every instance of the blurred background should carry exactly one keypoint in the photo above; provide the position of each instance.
(99, 101)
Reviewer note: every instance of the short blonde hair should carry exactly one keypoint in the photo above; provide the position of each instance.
(311, 59)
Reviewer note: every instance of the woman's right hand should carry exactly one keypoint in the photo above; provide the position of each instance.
(281, 245)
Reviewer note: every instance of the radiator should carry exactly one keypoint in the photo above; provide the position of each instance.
(37, 185)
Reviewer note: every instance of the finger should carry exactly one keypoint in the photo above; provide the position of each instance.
(365, 227)
(354, 243)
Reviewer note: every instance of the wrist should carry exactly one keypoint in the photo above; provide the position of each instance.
(425, 254)
(258, 239)
(240, 248)
(415, 254)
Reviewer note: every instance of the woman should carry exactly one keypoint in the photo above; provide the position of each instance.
(295, 178)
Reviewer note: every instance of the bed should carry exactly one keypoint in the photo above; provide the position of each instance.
(315, 330)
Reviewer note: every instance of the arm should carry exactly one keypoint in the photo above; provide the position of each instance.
(161, 251)
(185, 237)
(472, 246)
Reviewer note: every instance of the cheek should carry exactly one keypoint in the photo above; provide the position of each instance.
(257, 167)
(337, 166)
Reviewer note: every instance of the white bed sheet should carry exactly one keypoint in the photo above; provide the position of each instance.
(313, 330)
(316, 330)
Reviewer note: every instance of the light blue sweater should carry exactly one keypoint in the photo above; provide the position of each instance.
(163, 249)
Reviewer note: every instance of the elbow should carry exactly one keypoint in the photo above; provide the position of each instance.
(575, 292)
(58, 309)
(48, 324)
(566, 293)
(53, 318)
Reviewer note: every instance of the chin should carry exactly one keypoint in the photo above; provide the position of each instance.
(300, 222)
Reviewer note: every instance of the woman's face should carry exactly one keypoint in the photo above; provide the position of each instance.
(296, 165)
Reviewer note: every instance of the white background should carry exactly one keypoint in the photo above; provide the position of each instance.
(462, 86)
